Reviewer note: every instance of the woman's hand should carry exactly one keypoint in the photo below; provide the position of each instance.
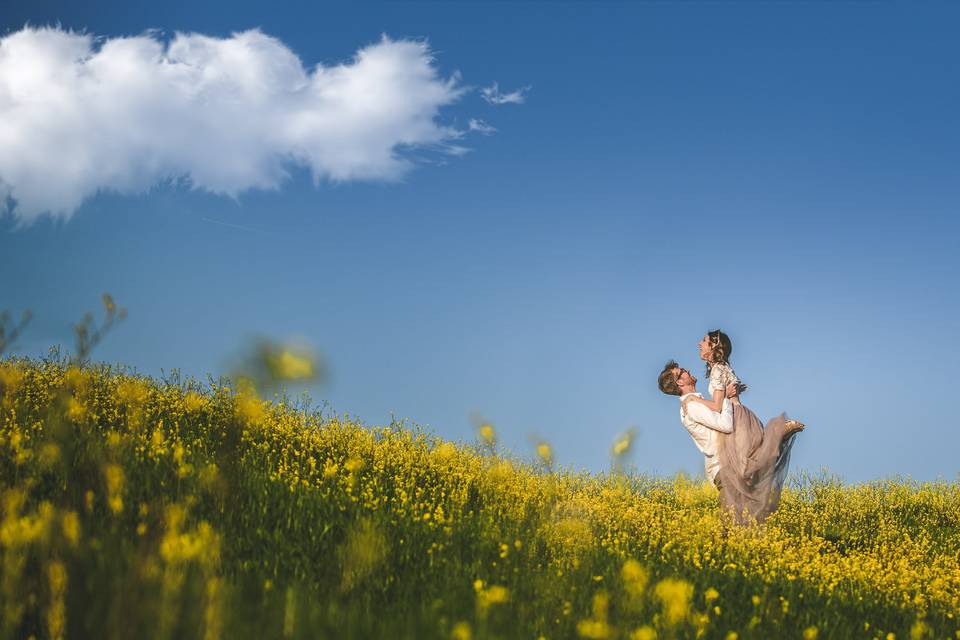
(732, 390)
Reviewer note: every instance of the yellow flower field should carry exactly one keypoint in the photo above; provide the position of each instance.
(133, 507)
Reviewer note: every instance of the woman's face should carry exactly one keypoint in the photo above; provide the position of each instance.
(705, 349)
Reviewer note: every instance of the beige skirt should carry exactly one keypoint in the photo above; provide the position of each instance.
(753, 466)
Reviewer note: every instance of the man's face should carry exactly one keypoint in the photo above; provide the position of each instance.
(683, 377)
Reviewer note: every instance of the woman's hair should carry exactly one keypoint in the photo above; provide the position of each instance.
(720, 348)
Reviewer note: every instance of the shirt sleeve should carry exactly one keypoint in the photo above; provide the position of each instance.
(722, 421)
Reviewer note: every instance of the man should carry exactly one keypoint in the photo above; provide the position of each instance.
(704, 425)
(746, 461)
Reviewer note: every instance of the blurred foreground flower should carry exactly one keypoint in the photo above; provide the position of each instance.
(674, 594)
(364, 549)
(289, 365)
(268, 364)
(596, 627)
(485, 431)
(545, 452)
(487, 596)
(622, 447)
(488, 434)
(635, 578)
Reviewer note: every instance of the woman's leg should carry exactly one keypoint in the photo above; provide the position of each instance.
(777, 438)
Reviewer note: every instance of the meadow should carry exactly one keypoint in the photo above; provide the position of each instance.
(171, 508)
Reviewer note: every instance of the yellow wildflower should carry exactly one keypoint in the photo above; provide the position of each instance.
(70, 525)
(488, 434)
(674, 594)
(56, 613)
(545, 451)
(288, 365)
(635, 578)
(115, 480)
(76, 410)
(194, 402)
(646, 632)
(461, 631)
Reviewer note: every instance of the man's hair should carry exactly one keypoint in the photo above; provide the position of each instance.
(667, 381)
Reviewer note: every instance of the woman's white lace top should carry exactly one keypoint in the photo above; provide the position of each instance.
(720, 376)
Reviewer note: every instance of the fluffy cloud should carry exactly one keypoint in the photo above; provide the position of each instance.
(79, 114)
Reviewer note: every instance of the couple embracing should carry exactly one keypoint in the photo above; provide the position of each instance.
(745, 460)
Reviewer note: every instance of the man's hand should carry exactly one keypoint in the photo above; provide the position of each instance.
(732, 390)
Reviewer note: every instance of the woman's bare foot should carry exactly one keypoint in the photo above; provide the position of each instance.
(793, 426)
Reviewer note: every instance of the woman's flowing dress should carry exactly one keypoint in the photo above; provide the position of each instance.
(753, 465)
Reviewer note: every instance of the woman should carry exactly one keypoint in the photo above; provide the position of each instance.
(753, 458)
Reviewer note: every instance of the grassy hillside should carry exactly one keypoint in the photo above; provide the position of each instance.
(162, 509)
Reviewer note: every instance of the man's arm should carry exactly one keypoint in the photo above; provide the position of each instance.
(732, 391)
(722, 421)
(716, 404)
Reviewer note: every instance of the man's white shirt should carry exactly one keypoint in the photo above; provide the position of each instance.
(705, 427)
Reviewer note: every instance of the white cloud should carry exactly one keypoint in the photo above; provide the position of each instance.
(480, 126)
(79, 114)
(494, 96)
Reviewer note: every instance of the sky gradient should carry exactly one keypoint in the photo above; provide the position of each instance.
(787, 172)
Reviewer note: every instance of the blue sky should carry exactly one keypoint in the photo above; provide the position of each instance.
(787, 172)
